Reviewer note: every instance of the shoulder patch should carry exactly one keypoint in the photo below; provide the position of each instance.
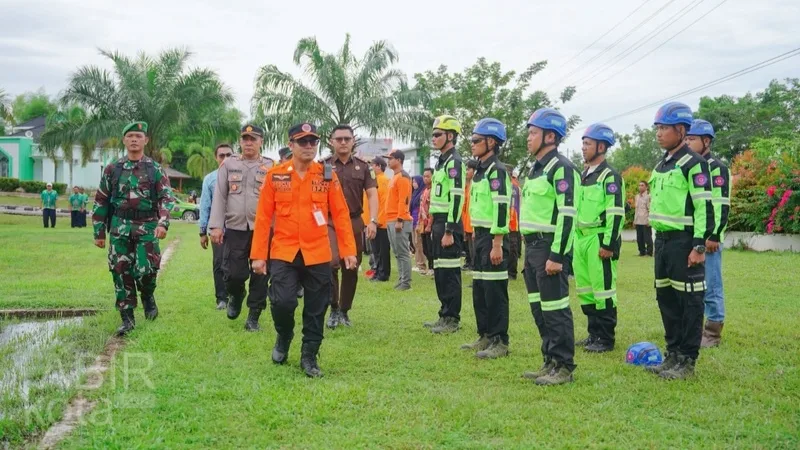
(453, 172)
(495, 184)
(562, 186)
(700, 180)
(719, 180)
(612, 188)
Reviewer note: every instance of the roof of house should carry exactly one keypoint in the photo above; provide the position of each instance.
(34, 126)
(174, 174)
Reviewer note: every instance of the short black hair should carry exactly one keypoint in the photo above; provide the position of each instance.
(222, 145)
(428, 169)
(343, 126)
(379, 161)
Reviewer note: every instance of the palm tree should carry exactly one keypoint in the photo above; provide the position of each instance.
(61, 131)
(5, 105)
(160, 91)
(201, 163)
(365, 92)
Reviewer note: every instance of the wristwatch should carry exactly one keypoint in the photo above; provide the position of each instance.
(700, 249)
(373, 220)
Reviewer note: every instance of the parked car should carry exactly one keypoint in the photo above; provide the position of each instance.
(185, 210)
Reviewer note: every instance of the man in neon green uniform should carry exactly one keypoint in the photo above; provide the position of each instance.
(598, 240)
(550, 198)
(490, 197)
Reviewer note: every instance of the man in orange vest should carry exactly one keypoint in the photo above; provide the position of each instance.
(300, 195)
(514, 236)
(465, 219)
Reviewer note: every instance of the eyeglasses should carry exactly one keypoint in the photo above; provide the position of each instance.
(307, 142)
(477, 140)
(343, 139)
(225, 155)
(438, 134)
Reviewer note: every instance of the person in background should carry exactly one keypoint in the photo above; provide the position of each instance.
(426, 220)
(418, 186)
(49, 197)
(75, 201)
(641, 219)
(514, 236)
(222, 152)
(472, 164)
(398, 218)
(285, 154)
(380, 245)
(84, 205)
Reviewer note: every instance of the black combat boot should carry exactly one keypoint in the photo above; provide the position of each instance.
(128, 322)
(150, 307)
(333, 319)
(252, 320)
(235, 306)
(308, 359)
(281, 350)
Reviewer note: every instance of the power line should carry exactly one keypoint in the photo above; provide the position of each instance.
(601, 36)
(641, 42)
(657, 47)
(614, 44)
(737, 74)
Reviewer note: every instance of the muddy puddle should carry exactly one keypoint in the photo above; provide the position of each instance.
(28, 359)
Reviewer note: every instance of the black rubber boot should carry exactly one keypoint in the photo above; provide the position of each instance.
(235, 307)
(308, 359)
(150, 307)
(128, 322)
(281, 350)
(252, 320)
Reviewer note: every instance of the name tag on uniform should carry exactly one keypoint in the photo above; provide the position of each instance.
(319, 217)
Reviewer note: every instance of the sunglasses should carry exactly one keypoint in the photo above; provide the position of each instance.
(343, 140)
(438, 134)
(477, 140)
(307, 142)
(225, 155)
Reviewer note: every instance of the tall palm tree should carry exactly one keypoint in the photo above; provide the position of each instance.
(61, 131)
(201, 163)
(160, 91)
(365, 92)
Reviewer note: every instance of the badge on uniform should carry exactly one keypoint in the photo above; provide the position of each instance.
(358, 167)
(612, 188)
(562, 186)
(700, 180)
(319, 217)
(452, 172)
(495, 184)
(719, 181)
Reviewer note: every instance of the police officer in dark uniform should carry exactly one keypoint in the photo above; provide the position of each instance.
(356, 177)
(239, 183)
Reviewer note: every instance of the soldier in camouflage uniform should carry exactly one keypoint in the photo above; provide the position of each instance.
(133, 204)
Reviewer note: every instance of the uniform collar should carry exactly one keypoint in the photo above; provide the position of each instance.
(547, 158)
(337, 160)
(446, 154)
(678, 155)
(488, 162)
(598, 168)
(709, 156)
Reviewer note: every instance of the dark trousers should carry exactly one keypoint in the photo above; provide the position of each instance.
(469, 253)
(427, 249)
(383, 255)
(680, 291)
(447, 268)
(490, 288)
(286, 277)
(549, 299)
(644, 237)
(342, 295)
(49, 216)
(74, 219)
(514, 250)
(220, 291)
(236, 269)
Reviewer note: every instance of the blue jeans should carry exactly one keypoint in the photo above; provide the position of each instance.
(715, 299)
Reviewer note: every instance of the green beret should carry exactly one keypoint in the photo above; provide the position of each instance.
(135, 126)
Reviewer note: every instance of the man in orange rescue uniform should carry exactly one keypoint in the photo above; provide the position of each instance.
(300, 194)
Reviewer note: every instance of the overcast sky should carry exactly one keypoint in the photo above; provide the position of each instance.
(43, 41)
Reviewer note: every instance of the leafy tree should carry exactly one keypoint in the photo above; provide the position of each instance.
(31, 105)
(366, 92)
(738, 122)
(161, 91)
(637, 149)
(485, 90)
(5, 111)
(201, 163)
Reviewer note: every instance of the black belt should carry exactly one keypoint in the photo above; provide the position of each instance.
(538, 236)
(674, 234)
(134, 214)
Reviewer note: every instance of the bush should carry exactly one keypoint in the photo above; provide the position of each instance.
(8, 184)
(38, 186)
(632, 176)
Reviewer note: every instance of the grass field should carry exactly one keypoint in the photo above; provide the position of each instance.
(15, 200)
(195, 379)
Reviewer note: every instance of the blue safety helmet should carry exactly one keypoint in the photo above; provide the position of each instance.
(491, 127)
(600, 132)
(549, 119)
(701, 127)
(674, 113)
(643, 354)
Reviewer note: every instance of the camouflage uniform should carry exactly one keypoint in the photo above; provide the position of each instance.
(134, 256)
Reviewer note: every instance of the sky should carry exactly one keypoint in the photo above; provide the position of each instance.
(43, 41)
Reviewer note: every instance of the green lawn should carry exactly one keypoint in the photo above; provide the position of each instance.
(14, 200)
(196, 379)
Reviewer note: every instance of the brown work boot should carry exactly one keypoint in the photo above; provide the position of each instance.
(559, 375)
(434, 323)
(448, 325)
(482, 343)
(544, 370)
(681, 371)
(712, 334)
(497, 349)
(669, 362)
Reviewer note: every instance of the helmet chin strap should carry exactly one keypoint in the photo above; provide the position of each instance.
(541, 145)
(596, 153)
(486, 147)
(680, 142)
